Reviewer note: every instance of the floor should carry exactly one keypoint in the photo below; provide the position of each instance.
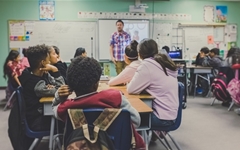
(203, 127)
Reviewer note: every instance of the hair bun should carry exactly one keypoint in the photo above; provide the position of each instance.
(133, 45)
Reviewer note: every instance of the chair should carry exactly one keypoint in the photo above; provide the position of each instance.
(119, 131)
(177, 123)
(37, 135)
(11, 88)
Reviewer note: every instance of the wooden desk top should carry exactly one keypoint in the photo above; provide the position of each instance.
(198, 67)
(123, 89)
(138, 104)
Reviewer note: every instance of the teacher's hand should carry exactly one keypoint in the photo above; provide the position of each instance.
(113, 60)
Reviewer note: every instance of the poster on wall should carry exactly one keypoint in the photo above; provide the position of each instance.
(221, 14)
(46, 10)
(208, 13)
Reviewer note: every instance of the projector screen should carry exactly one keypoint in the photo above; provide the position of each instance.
(138, 30)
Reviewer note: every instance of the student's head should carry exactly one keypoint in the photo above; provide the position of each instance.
(83, 75)
(57, 51)
(53, 56)
(119, 25)
(204, 51)
(80, 52)
(131, 53)
(214, 52)
(13, 55)
(167, 49)
(147, 48)
(232, 51)
(38, 56)
(24, 52)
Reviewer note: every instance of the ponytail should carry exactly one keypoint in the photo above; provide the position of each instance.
(165, 62)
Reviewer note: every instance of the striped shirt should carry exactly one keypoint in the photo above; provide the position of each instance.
(119, 41)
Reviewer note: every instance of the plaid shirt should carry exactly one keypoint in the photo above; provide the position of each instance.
(119, 41)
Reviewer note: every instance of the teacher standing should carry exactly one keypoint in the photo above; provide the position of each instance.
(119, 41)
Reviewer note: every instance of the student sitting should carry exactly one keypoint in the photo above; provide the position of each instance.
(228, 60)
(12, 69)
(166, 48)
(199, 59)
(24, 60)
(56, 61)
(80, 52)
(157, 75)
(83, 77)
(213, 60)
(37, 83)
(131, 59)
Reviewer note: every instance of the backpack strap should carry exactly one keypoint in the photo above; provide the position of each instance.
(106, 118)
(77, 118)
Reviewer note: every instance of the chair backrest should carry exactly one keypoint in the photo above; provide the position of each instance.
(21, 105)
(119, 131)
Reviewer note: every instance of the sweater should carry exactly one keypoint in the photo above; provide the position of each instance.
(151, 77)
(126, 75)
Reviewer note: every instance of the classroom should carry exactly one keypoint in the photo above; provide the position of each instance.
(185, 26)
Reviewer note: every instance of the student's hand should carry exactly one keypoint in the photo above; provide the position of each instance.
(49, 86)
(49, 67)
(64, 91)
(113, 60)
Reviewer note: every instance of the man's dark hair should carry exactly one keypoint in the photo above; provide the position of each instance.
(120, 21)
(167, 49)
(205, 50)
(36, 54)
(83, 74)
(215, 51)
(57, 51)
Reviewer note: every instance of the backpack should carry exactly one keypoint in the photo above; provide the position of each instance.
(90, 137)
(234, 88)
(219, 86)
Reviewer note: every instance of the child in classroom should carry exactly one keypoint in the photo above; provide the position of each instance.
(199, 59)
(83, 77)
(157, 75)
(131, 59)
(37, 83)
(56, 61)
(12, 69)
(80, 52)
(228, 60)
(24, 60)
(166, 48)
(213, 60)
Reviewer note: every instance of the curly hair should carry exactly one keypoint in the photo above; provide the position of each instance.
(36, 54)
(83, 74)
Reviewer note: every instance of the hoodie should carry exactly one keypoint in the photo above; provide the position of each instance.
(126, 75)
(151, 77)
(216, 62)
(34, 88)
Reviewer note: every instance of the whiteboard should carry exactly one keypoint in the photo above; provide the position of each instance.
(107, 27)
(66, 35)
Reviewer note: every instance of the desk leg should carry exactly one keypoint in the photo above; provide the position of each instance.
(195, 85)
(51, 133)
(145, 138)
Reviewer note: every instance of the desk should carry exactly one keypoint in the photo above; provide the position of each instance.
(143, 109)
(200, 70)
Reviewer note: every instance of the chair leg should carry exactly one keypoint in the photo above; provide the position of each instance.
(9, 100)
(195, 85)
(34, 143)
(230, 107)
(165, 139)
(174, 142)
(213, 101)
(161, 140)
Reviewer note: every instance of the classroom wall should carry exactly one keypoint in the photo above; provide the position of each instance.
(67, 10)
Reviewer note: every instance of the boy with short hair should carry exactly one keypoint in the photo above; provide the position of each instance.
(37, 83)
(213, 60)
(199, 59)
(83, 77)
